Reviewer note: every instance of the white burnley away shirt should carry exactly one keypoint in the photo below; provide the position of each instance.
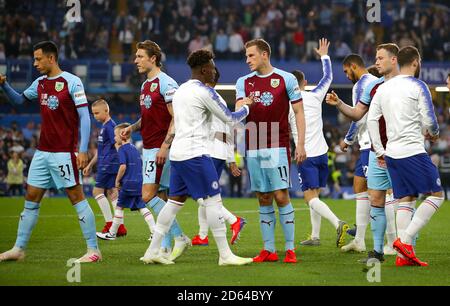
(407, 107)
(358, 130)
(194, 105)
(217, 148)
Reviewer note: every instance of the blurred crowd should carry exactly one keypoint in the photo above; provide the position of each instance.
(291, 27)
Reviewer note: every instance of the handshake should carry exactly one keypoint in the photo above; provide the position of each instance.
(245, 101)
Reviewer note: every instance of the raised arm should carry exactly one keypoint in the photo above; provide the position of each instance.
(324, 84)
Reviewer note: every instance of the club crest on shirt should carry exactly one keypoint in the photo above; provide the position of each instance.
(52, 102)
(153, 87)
(59, 86)
(266, 98)
(274, 82)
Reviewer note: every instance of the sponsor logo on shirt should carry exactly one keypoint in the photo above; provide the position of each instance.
(146, 101)
(79, 95)
(266, 98)
(59, 86)
(297, 90)
(53, 102)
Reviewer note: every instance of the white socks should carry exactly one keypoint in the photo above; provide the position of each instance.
(362, 215)
(324, 211)
(405, 212)
(203, 224)
(422, 216)
(315, 224)
(216, 223)
(103, 203)
(148, 217)
(390, 209)
(163, 224)
(118, 219)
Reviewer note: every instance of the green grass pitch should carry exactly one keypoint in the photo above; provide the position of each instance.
(57, 238)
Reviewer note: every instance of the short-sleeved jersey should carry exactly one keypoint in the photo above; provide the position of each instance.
(367, 96)
(59, 97)
(273, 93)
(107, 158)
(131, 182)
(155, 118)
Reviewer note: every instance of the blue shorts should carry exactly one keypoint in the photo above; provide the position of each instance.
(413, 175)
(133, 202)
(196, 177)
(219, 164)
(268, 169)
(362, 165)
(153, 174)
(377, 178)
(53, 170)
(105, 180)
(313, 172)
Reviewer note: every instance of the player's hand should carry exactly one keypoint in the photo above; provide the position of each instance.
(430, 138)
(87, 170)
(82, 160)
(126, 132)
(235, 171)
(300, 154)
(161, 156)
(333, 99)
(2, 79)
(324, 44)
(381, 162)
(343, 146)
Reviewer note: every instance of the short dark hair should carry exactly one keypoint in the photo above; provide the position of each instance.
(152, 49)
(407, 55)
(300, 76)
(260, 43)
(392, 48)
(48, 47)
(216, 79)
(353, 59)
(374, 71)
(199, 58)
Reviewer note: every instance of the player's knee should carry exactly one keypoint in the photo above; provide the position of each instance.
(265, 198)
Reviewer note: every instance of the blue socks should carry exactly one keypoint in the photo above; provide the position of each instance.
(175, 230)
(28, 219)
(287, 220)
(267, 224)
(378, 226)
(87, 223)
